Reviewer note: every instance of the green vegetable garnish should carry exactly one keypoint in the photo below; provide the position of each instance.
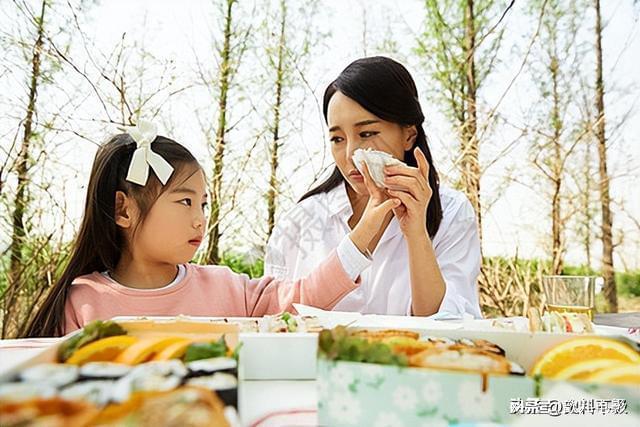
(91, 332)
(338, 344)
(290, 321)
(236, 352)
(198, 351)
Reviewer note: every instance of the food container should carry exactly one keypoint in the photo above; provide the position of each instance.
(262, 355)
(351, 393)
(117, 389)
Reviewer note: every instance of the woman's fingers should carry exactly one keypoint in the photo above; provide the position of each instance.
(406, 198)
(387, 205)
(372, 188)
(421, 171)
(423, 164)
(402, 170)
(399, 211)
(368, 181)
(409, 184)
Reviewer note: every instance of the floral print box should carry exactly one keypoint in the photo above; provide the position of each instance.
(360, 394)
(367, 394)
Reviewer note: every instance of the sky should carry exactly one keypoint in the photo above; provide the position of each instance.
(515, 223)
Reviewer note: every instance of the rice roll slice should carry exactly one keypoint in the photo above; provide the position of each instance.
(53, 374)
(225, 385)
(25, 391)
(104, 370)
(211, 366)
(516, 369)
(172, 367)
(96, 392)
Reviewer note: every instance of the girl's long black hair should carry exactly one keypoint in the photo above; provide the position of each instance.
(99, 242)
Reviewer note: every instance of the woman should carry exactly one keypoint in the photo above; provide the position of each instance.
(425, 258)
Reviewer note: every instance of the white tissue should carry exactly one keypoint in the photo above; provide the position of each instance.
(376, 161)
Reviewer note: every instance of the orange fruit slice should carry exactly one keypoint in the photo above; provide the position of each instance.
(585, 368)
(173, 351)
(103, 350)
(577, 350)
(145, 349)
(628, 373)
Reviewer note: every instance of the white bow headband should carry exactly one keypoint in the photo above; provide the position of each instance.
(144, 133)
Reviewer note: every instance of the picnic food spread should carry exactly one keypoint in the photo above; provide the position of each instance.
(590, 359)
(103, 376)
(175, 371)
(553, 321)
(406, 348)
(287, 322)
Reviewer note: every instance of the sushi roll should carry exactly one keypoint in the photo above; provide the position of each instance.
(172, 367)
(53, 374)
(150, 376)
(96, 392)
(516, 369)
(465, 359)
(439, 341)
(210, 366)
(104, 370)
(225, 385)
(25, 391)
(483, 345)
(125, 386)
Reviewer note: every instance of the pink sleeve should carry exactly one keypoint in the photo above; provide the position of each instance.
(323, 288)
(71, 322)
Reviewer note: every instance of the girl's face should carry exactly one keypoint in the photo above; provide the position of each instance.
(175, 225)
(352, 127)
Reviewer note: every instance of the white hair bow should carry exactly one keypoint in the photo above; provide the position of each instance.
(144, 133)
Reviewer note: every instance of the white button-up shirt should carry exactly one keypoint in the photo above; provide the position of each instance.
(317, 225)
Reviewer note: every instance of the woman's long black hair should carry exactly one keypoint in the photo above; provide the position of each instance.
(385, 88)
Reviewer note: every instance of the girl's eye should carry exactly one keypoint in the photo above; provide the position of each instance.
(186, 202)
(367, 134)
(204, 205)
(335, 139)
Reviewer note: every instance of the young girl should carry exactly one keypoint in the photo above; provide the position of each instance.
(426, 253)
(144, 220)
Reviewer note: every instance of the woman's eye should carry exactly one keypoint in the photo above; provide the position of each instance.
(335, 139)
(186, 202)
(367, 134)
(204, 205)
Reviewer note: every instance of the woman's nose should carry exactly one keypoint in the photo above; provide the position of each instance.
(352, 145)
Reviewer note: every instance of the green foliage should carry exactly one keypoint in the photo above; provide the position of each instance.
(43, 261)
(441, 45)
(628, 283)
(579, 270)
(239, 264)
(509, 286)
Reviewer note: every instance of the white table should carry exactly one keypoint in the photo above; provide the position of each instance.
(256, 399)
